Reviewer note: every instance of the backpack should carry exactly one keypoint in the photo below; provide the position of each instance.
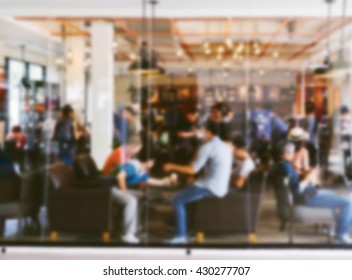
(64, 131)
(261, 127)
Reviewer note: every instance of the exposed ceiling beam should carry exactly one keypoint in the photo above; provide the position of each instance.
(178, 34)
(268, 44)
(338, 25)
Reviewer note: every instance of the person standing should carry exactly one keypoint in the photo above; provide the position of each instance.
(65, 134)
(214, 158)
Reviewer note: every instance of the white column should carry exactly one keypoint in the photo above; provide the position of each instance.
(2, 87)
(102, 91)
(74, 94)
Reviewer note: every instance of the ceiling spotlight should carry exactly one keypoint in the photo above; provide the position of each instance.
(257, 51)
(220, 49)
(240, 48)
(190, 69)
(133, 56)
(206, 45)
(276, 54)
(228, 43)
(115, 45)
(207, 51)
(179, 53)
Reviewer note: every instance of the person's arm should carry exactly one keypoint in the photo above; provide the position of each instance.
(239, 181)
(185, 169)
(195, 167)
(186, 134)
(159, 182)
(121, 180)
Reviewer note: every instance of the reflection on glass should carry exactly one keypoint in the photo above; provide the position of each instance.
(180, 131)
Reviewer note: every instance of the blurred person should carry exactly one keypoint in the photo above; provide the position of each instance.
(214, 158)
(298, 136)
(345, 120)
(7, 169)
(15, 143)
(31, 126)
(186, 135)
(125, 125)
(222, 114)
(121, 155)
(245, 164)
(65, 133)
(130, 176)
(346, 138)
(310, 124)
(304, 192)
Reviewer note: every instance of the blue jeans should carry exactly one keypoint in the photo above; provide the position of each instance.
(329, 199)
(179, 201)
(66, 153)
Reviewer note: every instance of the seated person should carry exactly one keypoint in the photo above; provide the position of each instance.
(214, 158)
(245, 164)
(304, 192)
(130, 175)
(300, 161)
(121, 155)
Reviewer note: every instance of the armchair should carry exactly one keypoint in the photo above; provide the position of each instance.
(72, 208)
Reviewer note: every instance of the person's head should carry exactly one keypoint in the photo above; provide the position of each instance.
(344, 110)
(192, 115)
(211, 129)
(67, 112)
(129, 113)
(310, 108)
(298, 136)
(219, 111)
(240, 149)
(286, 150)
(148, 164)
(16, 129)
(134, 145)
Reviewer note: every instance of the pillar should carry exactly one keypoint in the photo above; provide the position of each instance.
(75, 75)
(101, 96)
(2, 93)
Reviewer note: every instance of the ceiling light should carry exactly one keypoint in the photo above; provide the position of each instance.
(220, 49)
(276, 54)
(115, 45)
(257, 51)
(190, 69)
(261, 72)
(133, 56)
(228, 43)
(179, 53)
(240, 48)
(207, 51)
(206, 45)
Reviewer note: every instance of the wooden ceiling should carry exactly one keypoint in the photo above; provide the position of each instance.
(190, 40)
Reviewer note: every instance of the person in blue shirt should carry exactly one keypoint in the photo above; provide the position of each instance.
(7, 169)
(130, 176)
(304, 192)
